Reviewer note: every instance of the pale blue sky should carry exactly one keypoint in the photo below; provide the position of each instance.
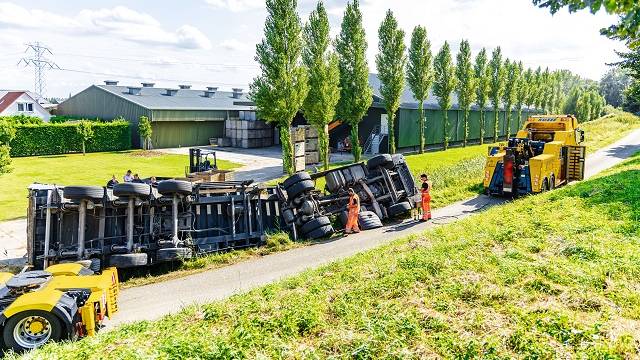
(212, 42)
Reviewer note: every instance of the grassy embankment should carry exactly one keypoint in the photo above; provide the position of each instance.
(75, 169)
(456, 175)
(549, 276)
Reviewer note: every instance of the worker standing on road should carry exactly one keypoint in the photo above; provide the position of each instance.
(426, 197)
(354, 210)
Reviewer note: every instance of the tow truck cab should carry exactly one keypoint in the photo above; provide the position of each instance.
(544, 154)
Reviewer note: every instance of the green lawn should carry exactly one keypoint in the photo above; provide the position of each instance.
(547, 276)
(76, 169)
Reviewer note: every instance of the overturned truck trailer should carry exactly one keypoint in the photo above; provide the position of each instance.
(136, 224)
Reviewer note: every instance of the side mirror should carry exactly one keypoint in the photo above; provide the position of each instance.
(581, 135)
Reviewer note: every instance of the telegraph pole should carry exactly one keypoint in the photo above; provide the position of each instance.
(40, 63)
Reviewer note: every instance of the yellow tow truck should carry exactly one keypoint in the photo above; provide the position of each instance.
(64, 301)
(544, 154)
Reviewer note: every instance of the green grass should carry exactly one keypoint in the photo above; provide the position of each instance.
(76, 169)
(548, 276)
(608, 129)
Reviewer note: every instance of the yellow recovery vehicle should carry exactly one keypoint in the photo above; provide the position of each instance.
(546, 153)
(65, 301)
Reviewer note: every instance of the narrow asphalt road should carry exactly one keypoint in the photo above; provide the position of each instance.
(153, 301)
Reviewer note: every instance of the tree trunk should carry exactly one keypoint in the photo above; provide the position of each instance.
(481, 126)
(519, 117)
(445, 130)
(496, 124)
(323, 145)
(507, 122)
(465, 126)
(83, 149)
(392, 139)
(421, 123)
(287, 150)
(356, 150)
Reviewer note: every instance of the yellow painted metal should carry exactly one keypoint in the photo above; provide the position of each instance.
(71, 269)
(44, 300)
(4, 276)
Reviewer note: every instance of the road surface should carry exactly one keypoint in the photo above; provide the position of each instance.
(170, 296)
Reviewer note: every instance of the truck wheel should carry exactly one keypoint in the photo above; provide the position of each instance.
(31, 329)
(398, 159)
(122, 261)
(93, 193)
(398, 209)
(132, 189)
(552, 183)
(545, 185)
(300, 188)
(173, 254)
(295, 178)
(383, 160)
(313, 224)
(319, 233)
(343, 217)
(334, 181)
(369, 220)
(170, 187)
(288, 216)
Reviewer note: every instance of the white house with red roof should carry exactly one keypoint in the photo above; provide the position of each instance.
(20, 102)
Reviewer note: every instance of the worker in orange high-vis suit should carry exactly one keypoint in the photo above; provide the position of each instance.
(353, 210)
(426, 197)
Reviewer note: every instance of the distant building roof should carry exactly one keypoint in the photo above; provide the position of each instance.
(8, 97)
(154, 98)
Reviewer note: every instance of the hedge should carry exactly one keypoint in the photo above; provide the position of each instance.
(53, 139)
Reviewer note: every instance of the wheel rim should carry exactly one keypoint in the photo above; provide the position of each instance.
(32, 331)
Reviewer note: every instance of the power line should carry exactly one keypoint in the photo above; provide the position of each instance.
(40, 63)
(161, 62)
(146, 78)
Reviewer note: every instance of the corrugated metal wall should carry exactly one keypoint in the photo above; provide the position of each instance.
(94, 102)
(168, 134)
(189, 115)
(408, 128)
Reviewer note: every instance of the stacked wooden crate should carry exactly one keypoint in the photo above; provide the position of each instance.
(248, 133)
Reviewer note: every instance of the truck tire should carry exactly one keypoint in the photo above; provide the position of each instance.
(383, 160)
(343, 217)
(545, 185)
(19, 337)
(319, 233)
(93, 193)
(334, 181)
(313, 224)
(170, 187)
(132, 190)
(398, 209)
(369, 220)
(398, 159)
(288, 216)
(173, 254)
(307, 207)
(300, 188)
(295, 178)
(552, 183)
(123, 261)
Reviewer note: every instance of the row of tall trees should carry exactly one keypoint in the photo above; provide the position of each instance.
(302, 68)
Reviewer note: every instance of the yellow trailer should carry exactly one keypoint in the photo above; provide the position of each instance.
(65, 301)
(544, 154)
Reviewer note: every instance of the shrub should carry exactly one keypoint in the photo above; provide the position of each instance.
(59, 119)
(5, 159)
(51, 139)
(22, 119)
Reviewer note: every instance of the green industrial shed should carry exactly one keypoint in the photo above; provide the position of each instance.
(407, 126)
(180, 117)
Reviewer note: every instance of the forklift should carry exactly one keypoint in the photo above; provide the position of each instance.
(200, 160)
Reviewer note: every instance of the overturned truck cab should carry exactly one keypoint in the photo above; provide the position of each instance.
(135, 224)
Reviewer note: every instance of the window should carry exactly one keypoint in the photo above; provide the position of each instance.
(20, 107)
(30, 107)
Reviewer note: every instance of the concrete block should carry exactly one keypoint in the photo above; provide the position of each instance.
(298, 149)
(312, 158)
(311, 145)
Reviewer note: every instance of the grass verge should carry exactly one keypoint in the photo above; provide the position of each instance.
(549, 276)
(76, 169)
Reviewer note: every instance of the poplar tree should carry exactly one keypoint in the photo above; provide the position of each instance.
(466, 85)
(390, 62)
(496, 87)
(509, 95)
(481, 70)
(355, 94)
(545, 81)
(538, 89)
(324, 78)
(529, 84)
(444, 84)
(521, 91)
(420, 74)
(281, 88)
